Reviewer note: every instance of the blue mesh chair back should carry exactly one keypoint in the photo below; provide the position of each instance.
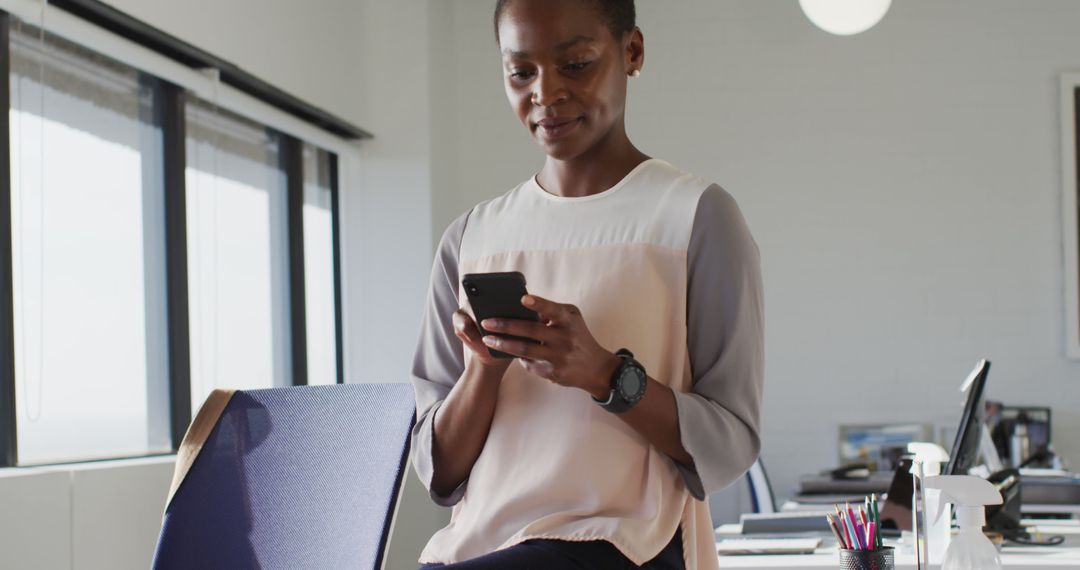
(298, 477)
(761, 495)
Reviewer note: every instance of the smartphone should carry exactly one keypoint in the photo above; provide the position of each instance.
(497, 295)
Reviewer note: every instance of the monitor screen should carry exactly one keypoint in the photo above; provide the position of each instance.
(1036, 419)
(965, 449)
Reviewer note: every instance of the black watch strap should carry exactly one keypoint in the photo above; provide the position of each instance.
(628, 384)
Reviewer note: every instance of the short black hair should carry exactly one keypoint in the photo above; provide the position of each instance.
(618, 14)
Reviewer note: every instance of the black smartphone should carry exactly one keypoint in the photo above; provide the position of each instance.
(497, 296)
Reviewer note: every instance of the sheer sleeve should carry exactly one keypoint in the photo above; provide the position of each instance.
(439, 360)
(719, 419)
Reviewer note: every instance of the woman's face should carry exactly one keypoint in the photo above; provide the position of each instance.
(564, 73)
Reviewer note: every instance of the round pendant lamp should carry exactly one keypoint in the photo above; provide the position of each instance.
(845, 17)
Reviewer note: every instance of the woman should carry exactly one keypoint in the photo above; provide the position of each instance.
(559, 458)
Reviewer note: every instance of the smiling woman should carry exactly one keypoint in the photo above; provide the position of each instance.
(571, 94)
(638, 392)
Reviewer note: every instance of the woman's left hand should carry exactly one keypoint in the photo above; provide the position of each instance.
(561, 348)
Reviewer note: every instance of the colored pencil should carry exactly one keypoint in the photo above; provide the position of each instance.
(877, 521)
(854, 522)
(840, 542)
(840, 517)
(853, 538)
(843, 534)
(846, 533)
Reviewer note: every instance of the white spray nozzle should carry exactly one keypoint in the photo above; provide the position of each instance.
(932, 455)
(969, 494)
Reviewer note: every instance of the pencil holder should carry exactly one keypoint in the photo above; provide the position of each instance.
(880, 559)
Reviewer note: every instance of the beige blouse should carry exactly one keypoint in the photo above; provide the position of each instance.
(663, 264)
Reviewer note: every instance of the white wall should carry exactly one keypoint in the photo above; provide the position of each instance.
(903, 186)
(310, 49)
(103, 516)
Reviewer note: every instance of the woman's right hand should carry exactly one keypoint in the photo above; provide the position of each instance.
(465, 328)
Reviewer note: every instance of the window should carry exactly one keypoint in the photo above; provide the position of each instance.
(319, 280)
(161, 245)
(238, 271)
(87, 255)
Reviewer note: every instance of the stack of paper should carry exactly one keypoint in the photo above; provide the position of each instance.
(767, 546)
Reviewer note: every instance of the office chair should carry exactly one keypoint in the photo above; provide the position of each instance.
(761, 495)
(752, 494)
(297, 477)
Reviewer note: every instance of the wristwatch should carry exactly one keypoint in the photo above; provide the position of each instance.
(627, 384)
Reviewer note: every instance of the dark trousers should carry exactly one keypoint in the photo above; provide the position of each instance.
(563, 554)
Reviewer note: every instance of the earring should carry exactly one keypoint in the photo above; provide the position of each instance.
(635, 72)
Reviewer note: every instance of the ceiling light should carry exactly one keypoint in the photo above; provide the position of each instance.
(845, 17)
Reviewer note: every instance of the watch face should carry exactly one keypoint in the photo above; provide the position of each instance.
(631, 383)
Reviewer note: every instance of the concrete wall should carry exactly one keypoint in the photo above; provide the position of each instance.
(903, 185)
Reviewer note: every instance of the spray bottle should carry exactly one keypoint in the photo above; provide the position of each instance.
(970, 549)
(938, 532)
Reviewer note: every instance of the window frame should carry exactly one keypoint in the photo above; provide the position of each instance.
(1070, 200)
(172, 84)
(292, 160)
(335, 233)
(9, 438)
(170, 103)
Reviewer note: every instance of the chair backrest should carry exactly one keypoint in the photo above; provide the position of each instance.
(761, 495)
(298, 477)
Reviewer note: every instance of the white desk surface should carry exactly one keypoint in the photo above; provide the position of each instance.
(1068, 528)
(1014, 558)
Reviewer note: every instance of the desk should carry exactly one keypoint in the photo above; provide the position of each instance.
(1013, 557)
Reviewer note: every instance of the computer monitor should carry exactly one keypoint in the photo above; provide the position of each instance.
(1005, 419)
(966, 446)
(896, 511)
